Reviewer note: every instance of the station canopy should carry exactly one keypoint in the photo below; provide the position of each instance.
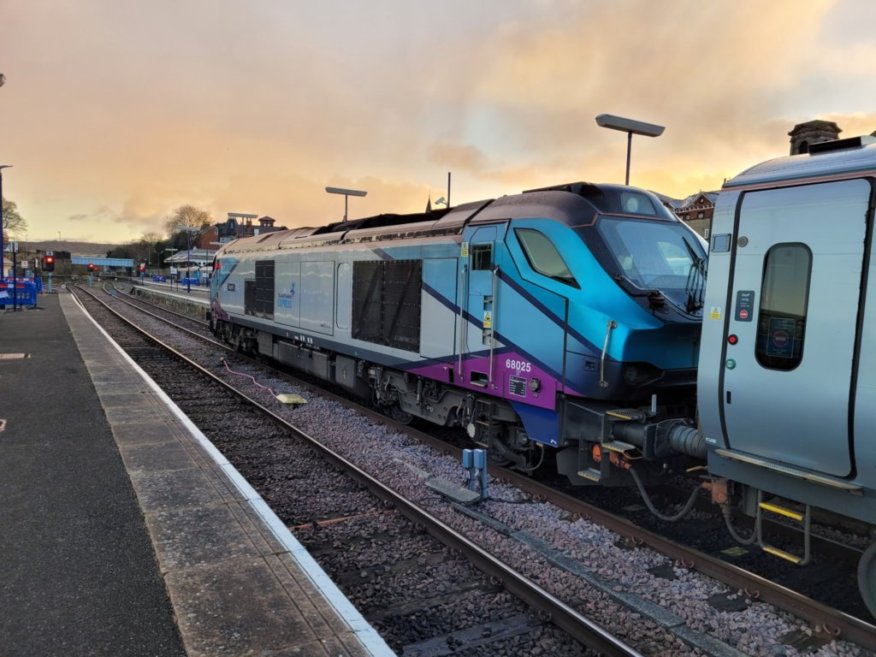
(199, 257)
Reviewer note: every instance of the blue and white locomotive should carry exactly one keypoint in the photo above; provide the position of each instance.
(565, 317)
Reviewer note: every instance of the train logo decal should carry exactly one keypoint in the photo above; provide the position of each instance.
(286, 299)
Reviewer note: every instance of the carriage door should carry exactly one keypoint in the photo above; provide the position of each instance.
(481, 307)
(792, 325)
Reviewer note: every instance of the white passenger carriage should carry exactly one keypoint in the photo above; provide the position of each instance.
(787, 371)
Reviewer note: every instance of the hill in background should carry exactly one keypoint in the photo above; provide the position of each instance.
(75, 248)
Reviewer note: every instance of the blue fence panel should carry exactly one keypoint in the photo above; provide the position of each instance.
(21, 293)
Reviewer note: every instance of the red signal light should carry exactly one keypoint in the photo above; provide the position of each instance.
(49, 263)
(732, 338)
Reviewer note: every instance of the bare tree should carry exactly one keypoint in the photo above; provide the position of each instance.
(13, 222)
(187, 218)
(150, 246)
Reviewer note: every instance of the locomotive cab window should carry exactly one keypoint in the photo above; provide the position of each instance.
(481, 256)
(543, 256)
(784, 296)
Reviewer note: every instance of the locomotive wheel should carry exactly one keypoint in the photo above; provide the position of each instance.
(867, 578)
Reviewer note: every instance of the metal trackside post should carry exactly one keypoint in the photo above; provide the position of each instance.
(475, 461)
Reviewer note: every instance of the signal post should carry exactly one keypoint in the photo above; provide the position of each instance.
(49, 268)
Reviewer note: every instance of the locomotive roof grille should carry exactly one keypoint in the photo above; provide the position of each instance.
(840, 144)
(574, 204)
(381, 221)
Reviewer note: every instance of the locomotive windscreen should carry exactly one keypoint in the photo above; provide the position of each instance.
(386, 302)
(656, 255)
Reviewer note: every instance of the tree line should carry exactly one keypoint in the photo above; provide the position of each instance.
(182, 228)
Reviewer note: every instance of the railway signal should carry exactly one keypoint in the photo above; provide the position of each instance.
(48, 263)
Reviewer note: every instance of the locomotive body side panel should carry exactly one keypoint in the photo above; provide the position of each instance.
(317, 296)
(438, 327)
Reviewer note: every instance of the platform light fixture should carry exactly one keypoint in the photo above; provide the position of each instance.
(631, 127)
(347, 193)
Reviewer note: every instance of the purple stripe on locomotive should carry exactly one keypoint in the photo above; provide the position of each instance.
(515, 378)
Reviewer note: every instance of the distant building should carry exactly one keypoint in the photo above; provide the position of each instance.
(236, 226)
(697, 210)
(812, 132)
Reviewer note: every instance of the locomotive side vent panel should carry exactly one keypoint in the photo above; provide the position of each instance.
(367, 284)
(249, 296)
(258, 295)
(387, 302)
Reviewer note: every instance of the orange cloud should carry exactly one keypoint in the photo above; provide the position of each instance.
(138, 108)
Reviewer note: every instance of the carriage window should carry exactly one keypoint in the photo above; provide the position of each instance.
(543, 256)
(781, 324)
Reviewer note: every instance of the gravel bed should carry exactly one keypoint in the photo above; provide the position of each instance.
(159, 306)
(754, 628)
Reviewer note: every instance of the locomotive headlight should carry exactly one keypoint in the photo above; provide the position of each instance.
(535, 385)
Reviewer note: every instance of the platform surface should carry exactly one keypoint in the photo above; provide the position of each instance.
(198, 295)
(124, 532)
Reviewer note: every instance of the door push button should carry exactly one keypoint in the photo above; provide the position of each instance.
(744, 305)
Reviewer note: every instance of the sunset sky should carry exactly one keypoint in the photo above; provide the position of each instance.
(114, 112)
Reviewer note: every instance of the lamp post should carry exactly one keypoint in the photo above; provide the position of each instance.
(347, 193)
(14, 279)
(189, 262)
(631, 127)
(2, 166)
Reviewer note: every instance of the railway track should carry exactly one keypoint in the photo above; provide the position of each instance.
(828, 622)
(383, 550)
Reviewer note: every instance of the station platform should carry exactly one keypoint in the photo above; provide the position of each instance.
(198, 295)
(124, 532)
